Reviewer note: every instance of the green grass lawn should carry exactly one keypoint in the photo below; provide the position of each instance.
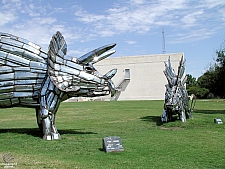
(197, 143)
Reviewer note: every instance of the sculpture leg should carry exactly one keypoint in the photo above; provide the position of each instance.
(54, 132)
(169, 115)
(164, 116)
(49, 129)
(39, 120)
(49, 103)
(46, 122)
(183, 116)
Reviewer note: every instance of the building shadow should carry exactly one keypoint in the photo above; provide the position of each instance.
(35, 132)
(209, 111)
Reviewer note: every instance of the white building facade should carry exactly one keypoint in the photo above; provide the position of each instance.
(139, 77)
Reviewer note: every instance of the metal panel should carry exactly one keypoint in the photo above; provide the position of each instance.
(89, 77)
(45, 87)
(67, 78)
(38, 71)
(4, 34)
(7, 77)
(23, 88)
(50, 98)
(51, 64)
(8, 63)
(11, 42)
(54, 102)
(51, 86)
(5, 89)
(69, 70)
(28, 100)
(52, 56)
(7, 83)
(11, 49)
(43, 55)
(43, 101)
(15, 101)
(18, 60)
(2, 62)
(59, 79)
(22, 40)
(37, 86)
(74, 65)
(3, 55)
(18, 82)
(31, 49)
(34, 45)
(59, 60)
(38, 65)
(6, 95)
(32, 56)
(5, 69)
(39, 80)
(61, 53)
(25, 69)
(23, 94)
(25, 75)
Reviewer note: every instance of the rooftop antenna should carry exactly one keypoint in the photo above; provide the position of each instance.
(163, 42)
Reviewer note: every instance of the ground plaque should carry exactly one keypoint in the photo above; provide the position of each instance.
(218, 121)
(112, 144)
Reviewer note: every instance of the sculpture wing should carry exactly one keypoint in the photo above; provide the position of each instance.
(170, 73)
(181, 71)
(23, 67)
(62, 72)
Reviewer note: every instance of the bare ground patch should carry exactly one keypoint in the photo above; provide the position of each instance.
(172, 128)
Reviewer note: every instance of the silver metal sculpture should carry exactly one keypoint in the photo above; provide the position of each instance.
(176, 97)
(31, 77)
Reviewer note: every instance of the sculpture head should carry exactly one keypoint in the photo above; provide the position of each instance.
(78, 76)
(173, 98)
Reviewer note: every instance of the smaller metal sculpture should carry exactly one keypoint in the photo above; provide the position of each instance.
(176, 97)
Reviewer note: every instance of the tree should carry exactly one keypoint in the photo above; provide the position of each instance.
(214, 78)
(198, 92)
(220, 55)
(194, 88)
(221, 70)
(191, 81)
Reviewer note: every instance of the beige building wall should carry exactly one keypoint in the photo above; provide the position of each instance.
(147, 80)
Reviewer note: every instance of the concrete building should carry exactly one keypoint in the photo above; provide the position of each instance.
(139, 77)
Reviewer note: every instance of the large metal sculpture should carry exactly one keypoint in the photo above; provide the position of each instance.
(31, 77)
(176, 97)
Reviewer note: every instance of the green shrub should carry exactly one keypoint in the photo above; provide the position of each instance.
(198, 92)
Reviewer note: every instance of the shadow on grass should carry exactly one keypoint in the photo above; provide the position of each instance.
(156, 119)
(37, 133)
(209, 111)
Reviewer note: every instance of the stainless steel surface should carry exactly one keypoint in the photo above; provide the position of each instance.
(32, 77)
(176, 97)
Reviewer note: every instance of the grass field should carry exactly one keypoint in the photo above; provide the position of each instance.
(197, 143)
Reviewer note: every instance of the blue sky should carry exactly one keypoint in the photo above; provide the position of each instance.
(193, 27)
